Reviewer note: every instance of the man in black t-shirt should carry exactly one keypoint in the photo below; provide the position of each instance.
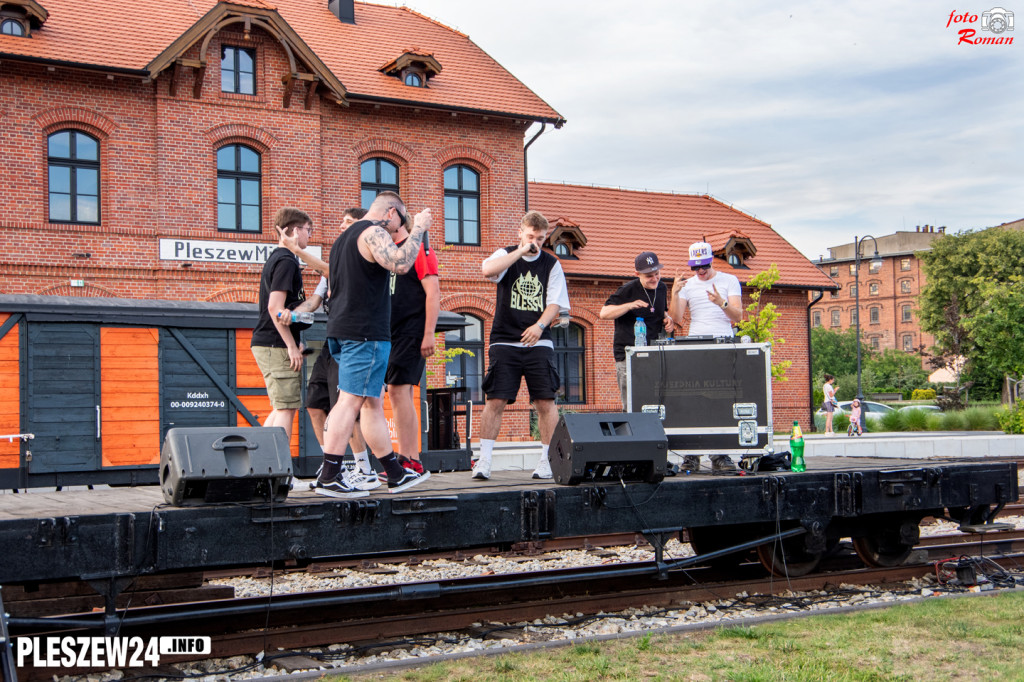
(644, 297)
(275, 343)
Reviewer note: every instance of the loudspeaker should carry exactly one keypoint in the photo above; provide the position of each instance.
(225, 464)
(608, 446)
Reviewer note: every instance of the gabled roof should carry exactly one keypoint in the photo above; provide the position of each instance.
(619, 224)
(129, 36)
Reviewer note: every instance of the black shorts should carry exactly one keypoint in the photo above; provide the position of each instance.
(406, 363)
(322, 390)
(509, 365)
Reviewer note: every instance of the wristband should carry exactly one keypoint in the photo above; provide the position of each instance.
(725, 304)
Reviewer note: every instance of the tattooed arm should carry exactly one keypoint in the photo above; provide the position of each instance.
(375, 244)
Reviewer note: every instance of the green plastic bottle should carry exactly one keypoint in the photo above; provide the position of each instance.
(796, 449)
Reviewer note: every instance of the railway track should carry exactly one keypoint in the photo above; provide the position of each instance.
(373, 616)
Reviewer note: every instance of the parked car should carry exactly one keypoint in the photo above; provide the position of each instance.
(871, 410)
(926, 408)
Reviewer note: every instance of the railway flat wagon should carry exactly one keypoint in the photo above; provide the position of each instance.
(90, 386)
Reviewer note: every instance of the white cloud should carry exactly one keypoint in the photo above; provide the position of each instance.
(824, 119)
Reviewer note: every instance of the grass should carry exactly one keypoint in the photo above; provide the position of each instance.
(972, 419)
(940, 639)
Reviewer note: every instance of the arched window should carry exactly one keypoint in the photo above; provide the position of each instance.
(461, 205)
(569, 357)
(874, 314)
(905, 311)
(816, 318)
(376, 176)
(239, 181)
(414, 79)
(73, 160)
(12, 27)
(465, 370)
(908, 342)
(835, 318)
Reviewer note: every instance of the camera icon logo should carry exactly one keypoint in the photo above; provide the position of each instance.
(997, 20)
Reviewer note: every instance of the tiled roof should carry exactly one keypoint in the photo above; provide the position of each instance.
(619, 224)
(81, 33)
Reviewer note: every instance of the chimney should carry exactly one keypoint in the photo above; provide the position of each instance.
(343, 9)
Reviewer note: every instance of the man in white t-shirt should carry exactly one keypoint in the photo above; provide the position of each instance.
(715, 302)
(713, 298)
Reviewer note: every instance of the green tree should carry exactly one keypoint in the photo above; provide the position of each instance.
(894, 370)
(974, 300)
(759, 322)
(835, 352)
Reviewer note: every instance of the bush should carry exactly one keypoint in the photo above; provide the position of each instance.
(952, 421)
(980, 419)
(890, 421)
(914, 420)
(923, 394)
(1012, 420)
(934, 421)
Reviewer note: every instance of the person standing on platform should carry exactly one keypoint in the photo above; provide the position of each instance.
(646, 297)
(531, 293)
(714, 300)
(322, 388)
(359, 338)
(415, 306)
(275, 340)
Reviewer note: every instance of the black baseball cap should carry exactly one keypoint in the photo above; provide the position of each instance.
(647, 262)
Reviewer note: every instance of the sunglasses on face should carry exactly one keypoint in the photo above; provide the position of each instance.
(700, 268)
(402, 220)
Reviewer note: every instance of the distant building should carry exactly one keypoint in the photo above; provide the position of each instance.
(888, 296)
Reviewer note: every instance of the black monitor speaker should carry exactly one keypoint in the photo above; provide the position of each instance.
(608, 447)
(225, 464)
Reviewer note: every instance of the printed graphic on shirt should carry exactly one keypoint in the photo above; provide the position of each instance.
(391, 283)
(527, 293)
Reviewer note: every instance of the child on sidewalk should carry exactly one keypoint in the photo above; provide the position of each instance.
(854, 418)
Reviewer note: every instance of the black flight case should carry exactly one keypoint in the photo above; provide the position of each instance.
(714, 396)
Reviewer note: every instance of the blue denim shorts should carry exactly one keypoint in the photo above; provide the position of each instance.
(361, 365)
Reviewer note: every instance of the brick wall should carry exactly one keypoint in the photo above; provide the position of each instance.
(158, 180)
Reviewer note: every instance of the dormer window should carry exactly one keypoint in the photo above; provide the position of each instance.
(21, 17)
(12, 27)
(413, 68)
(732, 246)
(735, 260)
(563, 250)
(565, 238)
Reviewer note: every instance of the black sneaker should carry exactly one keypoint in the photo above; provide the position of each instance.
(341, 486)
(408, 480)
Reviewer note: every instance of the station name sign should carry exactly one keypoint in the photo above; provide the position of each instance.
(199, 251)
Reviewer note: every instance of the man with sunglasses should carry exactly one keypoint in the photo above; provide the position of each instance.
(644, 297)
(715, 302)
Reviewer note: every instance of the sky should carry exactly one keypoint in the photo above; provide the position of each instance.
(827, 120)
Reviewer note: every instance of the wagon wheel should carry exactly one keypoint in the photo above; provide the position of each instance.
(788, 558)
(882, 550)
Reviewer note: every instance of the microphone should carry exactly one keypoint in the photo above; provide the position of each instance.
(426, 243)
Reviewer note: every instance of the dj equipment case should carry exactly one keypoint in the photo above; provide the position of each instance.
(714, 396)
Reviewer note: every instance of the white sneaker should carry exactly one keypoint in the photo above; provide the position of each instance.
(543, 469)
(360, 481)
(482, 469)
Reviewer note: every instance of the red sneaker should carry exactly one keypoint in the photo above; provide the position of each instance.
(408, 463)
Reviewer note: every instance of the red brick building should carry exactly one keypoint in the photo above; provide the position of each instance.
(147, 147)
(888, 291)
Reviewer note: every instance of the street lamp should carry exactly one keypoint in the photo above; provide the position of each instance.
(875, 260)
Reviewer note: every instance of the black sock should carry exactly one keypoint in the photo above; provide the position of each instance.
(331, 468)
(392, 467)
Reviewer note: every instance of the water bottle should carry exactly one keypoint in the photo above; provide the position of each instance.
(304, 317)
(640, 332)
(796, 449)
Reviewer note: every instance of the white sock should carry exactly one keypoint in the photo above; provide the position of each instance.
(544, 452)
(486, 449)
(363, 458)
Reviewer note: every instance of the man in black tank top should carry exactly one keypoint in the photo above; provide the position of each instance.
(531, 293)
(359, 338)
